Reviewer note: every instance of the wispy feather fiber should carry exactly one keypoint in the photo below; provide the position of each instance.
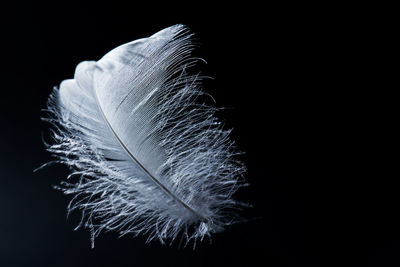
(147, 156)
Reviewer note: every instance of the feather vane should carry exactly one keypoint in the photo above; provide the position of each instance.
(146, 156)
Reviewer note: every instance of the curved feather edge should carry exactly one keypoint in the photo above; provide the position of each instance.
(166, 169)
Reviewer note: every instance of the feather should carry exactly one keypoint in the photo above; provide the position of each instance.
(147, 156)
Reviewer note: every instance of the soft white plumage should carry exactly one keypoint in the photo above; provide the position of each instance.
(146, 156)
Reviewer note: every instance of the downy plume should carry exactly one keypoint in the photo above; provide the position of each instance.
(147, 156)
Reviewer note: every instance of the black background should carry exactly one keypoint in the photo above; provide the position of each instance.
(296, 84)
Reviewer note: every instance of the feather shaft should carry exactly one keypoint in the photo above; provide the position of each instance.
(152, 178)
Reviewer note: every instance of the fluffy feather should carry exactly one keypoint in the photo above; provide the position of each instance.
(147, 156)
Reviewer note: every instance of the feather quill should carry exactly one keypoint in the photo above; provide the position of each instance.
(147, 157)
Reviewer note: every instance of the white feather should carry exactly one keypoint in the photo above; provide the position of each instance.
(147, 156)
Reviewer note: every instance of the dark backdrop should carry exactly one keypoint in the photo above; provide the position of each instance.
(290, 78)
